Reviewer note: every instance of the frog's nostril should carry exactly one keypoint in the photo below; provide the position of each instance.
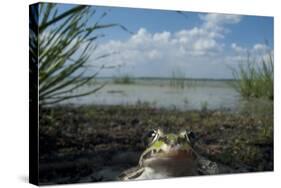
(172, 145)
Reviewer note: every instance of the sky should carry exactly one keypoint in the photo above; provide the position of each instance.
(197, 45)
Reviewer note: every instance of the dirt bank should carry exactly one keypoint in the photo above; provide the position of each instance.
(95, 143)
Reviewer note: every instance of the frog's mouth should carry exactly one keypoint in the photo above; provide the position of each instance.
(174, 152)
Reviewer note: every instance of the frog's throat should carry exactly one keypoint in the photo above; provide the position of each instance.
(171, 154)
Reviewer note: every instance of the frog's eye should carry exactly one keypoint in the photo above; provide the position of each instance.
(188, 136)
(151, 136)
(191, 137)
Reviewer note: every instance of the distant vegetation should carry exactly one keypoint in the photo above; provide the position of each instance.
(124, 79)
(178, 79)
(255, 79)
(204, 106)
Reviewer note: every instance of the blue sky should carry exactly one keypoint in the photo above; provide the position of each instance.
(251, 29)
(199, 45)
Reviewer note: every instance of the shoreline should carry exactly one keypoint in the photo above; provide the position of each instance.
(94, 143)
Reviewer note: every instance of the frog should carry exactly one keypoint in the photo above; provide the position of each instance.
(169, 155)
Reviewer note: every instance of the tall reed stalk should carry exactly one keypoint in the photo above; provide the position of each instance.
(178, 79)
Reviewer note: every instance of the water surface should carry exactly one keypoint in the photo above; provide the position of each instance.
(195, 95)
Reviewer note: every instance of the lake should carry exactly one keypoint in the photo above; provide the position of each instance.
(195, 95)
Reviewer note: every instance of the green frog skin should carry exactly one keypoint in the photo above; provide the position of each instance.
(167, 155)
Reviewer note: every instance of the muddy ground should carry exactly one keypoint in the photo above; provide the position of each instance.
(96, 143)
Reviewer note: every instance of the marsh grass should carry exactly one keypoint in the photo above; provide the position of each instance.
(255, 78)
(59, 38)
(204, 106)
(124, 79)
(66, 40)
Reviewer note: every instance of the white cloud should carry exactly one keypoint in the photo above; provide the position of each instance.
(203, 44)
(255, 53)
(256, 49)
(194, 50)
(162, 47)
(213, 21)
(146, 46)
(162, 37)
(238, 49)
(260, 48)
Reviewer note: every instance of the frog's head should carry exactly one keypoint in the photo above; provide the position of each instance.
(168, 146)
(167, 155)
